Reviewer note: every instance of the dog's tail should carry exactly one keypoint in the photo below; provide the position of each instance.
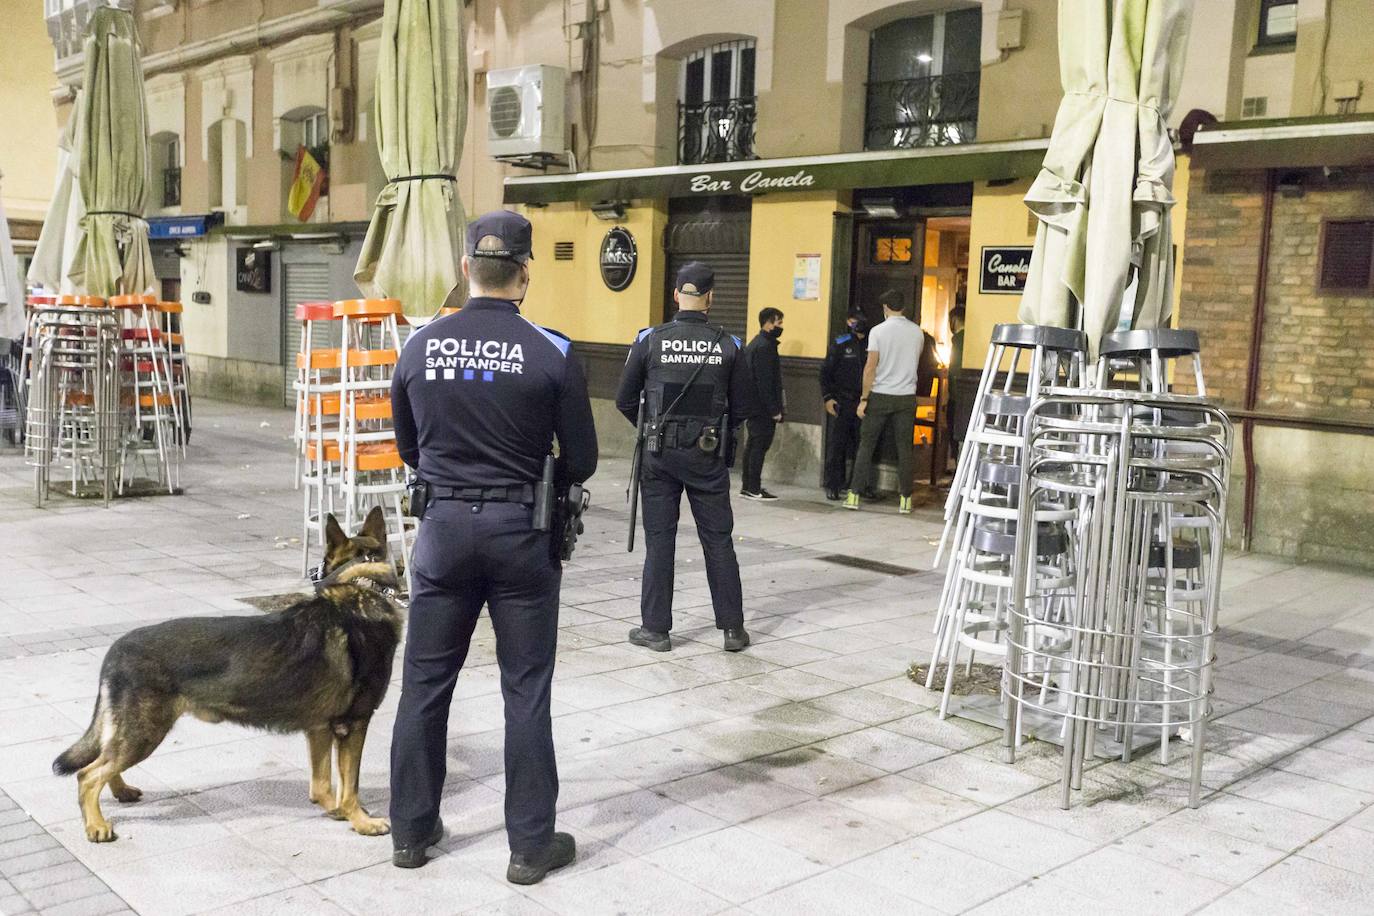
(86, 748)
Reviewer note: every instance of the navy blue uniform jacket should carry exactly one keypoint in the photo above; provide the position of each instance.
(480, 395)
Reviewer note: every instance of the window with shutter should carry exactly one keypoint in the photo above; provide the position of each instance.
(1347, 257)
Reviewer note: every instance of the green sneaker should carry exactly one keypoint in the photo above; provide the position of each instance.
(851, 501)
(904, 505)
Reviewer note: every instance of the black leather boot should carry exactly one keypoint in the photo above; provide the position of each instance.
(531, 869)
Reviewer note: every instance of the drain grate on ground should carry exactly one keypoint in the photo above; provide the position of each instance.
(887, 569)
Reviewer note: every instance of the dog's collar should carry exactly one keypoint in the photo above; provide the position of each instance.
(386, 589)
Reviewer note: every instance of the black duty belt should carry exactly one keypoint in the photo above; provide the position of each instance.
(519, 493)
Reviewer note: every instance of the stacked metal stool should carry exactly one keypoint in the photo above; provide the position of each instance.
(73, 422)
(981, 515)
(1123, 660)
(152, 441)
(174, 340)
(346, 441)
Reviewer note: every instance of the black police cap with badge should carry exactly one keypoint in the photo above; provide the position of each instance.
(501, 235)
(695, 279)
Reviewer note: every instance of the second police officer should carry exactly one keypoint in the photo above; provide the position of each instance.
(478, 399)
(696, 390)
(842, 382)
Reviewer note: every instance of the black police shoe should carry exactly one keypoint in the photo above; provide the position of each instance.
(414, 856)
(659, 642)
(832, 494)
(736, 639)
(531, 869)
(869, 494)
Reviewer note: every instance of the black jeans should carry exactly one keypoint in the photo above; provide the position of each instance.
(761, 430)
(467, 555)
(841, 445)
(706, 480)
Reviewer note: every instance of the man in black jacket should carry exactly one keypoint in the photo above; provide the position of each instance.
(842, 382)
(761, 355)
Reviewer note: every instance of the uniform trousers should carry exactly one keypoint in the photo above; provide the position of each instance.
(842, 444)
(899, 410)
(469, 554)
(706, 480)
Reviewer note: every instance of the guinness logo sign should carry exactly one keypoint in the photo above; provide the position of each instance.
(619, 258)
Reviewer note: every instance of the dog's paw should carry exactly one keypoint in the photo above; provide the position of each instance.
(368, 825)
(100, 833)
(127, 795)
(325, 798)
(336, 813)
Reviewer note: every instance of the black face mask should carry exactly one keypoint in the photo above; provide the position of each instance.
(775, 333)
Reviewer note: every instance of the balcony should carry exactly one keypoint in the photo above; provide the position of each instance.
(721, 131)
(930, 111)
(171, 187)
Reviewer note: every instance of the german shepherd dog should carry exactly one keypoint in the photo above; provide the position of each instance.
(321, 666)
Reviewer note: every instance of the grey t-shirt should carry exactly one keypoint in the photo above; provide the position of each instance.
(898, 342)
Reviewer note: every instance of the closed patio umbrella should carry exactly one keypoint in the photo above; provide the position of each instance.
(52, 258)
(11, 285)
(412, 246)
(112, 254)
(1103, 194)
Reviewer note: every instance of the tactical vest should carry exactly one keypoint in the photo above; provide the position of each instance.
(676, 350)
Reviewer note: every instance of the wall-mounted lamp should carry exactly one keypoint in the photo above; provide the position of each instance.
(609, 210)
(880, 207)
(1290, 184)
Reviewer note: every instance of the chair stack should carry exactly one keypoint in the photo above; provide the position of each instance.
(982, 510)
(174, 339)
(152, 441)
(1122, 658)
(73, 422)
(346, 442)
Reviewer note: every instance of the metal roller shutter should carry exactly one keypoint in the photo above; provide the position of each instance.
(720, 240)
(302, 283)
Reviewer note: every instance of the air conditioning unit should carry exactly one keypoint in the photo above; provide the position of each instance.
(525, 113)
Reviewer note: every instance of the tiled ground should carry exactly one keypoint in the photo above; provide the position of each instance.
(805, 775)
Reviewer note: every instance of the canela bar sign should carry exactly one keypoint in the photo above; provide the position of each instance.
(753, 183)
(1004, 269)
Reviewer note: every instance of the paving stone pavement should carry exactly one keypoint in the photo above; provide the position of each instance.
(806, 775)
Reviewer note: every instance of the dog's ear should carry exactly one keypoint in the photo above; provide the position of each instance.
(375, 527)
(334, 536)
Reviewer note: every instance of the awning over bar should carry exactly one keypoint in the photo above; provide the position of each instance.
(1286, 143)
(877, 169)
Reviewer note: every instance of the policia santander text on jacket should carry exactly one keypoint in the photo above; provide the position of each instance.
(479, 398)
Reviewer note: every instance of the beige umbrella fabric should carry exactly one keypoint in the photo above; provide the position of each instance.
(1103, 194)
(412, 247)
(11, 284)
(52, 258)
(112, 254)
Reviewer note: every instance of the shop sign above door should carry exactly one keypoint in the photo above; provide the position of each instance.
(619, 258)
(1004, 269)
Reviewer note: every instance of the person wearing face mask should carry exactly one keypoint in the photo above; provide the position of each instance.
(765, 368)
(842, 378)
(478, 399)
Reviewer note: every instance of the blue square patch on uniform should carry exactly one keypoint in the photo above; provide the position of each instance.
(467, 375)
(488, 375)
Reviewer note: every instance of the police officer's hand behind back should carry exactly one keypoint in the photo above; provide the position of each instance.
(832, 407)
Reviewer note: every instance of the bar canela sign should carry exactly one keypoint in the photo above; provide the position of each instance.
(895, 168)
(1004, 269)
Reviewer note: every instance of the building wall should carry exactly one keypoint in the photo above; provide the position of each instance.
(28, 157)
(782, 227)
(1313, 489)
(1333, 47)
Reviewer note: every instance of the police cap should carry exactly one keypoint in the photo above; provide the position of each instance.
(695, 279)
(500, 234)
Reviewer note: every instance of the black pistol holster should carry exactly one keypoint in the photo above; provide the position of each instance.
(567, 520)
(417, 497)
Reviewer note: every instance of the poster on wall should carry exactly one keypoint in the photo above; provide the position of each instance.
(252, 270)
(806, 277)
(1004, 269)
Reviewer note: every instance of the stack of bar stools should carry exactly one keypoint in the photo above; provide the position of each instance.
(148, 399)
(317, 427)
(173, 338)
(371, 472)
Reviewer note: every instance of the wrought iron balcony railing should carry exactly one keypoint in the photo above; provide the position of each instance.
(171, 187)
(721, 131)
(930, 111)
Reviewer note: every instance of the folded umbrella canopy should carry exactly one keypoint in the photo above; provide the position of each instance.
(412, 246)
(1104, 191)
(112, 254)
(52, 259)
(11, 284)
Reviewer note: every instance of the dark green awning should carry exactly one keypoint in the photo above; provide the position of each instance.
(1286, 143)
(891, 168)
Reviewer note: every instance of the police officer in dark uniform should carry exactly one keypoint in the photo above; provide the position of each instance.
(696, 391)
(478, 398)
(842, 381)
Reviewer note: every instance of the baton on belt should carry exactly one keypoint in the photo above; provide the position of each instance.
(632, 491)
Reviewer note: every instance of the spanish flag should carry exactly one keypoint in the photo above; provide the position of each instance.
(306, 185)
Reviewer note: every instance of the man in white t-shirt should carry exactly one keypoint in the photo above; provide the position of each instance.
(889, 396)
